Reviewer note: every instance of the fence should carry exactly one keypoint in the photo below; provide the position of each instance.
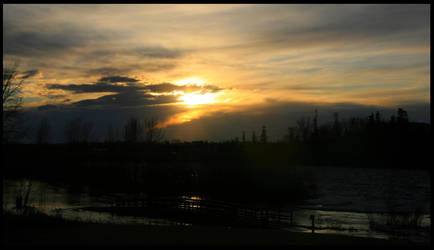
(201, 209)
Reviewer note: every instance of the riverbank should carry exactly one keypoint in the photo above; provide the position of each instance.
(44, 230)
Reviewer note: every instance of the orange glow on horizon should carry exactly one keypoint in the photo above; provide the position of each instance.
(181, 118)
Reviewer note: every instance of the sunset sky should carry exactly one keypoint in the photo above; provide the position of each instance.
(212, 71)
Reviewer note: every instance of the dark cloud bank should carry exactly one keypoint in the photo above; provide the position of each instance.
(131, 94)
(29, 73)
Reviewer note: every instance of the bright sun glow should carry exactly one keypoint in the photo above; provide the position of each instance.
(196, 98)
(191, 80)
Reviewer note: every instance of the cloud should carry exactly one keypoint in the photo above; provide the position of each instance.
(115, 79)
(105, 84)
(211, 88)
(128, 99)
(64, 43)
(18, 41)
(29, 73)
(158, 52)
(169, 87)
(115, 65)
(156, 66)
(55, 96)
(325, 26)
(106, 71)
(309, 70)
(47, 107)
(163, 87)
(89, 88)
(365, 21)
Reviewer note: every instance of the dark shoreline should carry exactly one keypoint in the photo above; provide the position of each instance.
(41, 231)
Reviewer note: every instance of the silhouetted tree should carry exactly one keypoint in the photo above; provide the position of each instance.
(133, 130)
(303, 125)
(118, 134)
(153, 133)
(23, 194)
(377, 117)
(253, 137)
(366, 141)
(12, 105)
(264, 135)
(371, 120)
(291, 136)
(43, 133)
(77, 131)
(72, 131)
(244, 137)
(392, 119)
(337, 128)
(315, 123)
(86, 131)
(402, 116)
(110, 134)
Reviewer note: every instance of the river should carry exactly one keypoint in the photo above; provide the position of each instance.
(348, 200)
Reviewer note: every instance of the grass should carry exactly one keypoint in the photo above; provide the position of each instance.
(39, 229)
(396, 224)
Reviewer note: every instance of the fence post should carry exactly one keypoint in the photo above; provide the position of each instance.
(292, 217)
(312, 217)
(278, 215)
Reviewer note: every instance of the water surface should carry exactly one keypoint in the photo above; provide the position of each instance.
(347, 199)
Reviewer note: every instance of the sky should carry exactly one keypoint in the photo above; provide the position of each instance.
(209, 72)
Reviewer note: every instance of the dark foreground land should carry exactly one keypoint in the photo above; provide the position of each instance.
(44, 230)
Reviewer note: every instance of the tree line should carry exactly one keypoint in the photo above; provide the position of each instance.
(374, 139)
(77, 130)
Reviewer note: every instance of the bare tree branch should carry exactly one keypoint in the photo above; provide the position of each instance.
(12, 104)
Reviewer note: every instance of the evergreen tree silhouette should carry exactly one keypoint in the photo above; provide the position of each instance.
(133, 130)
(377, 117)
(110, 134)
(44, 132)
(264, 135)
(336, 125)
(291, 137)
(402, 116)
(315, 133)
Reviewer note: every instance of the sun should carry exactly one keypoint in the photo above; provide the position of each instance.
(196, 98)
